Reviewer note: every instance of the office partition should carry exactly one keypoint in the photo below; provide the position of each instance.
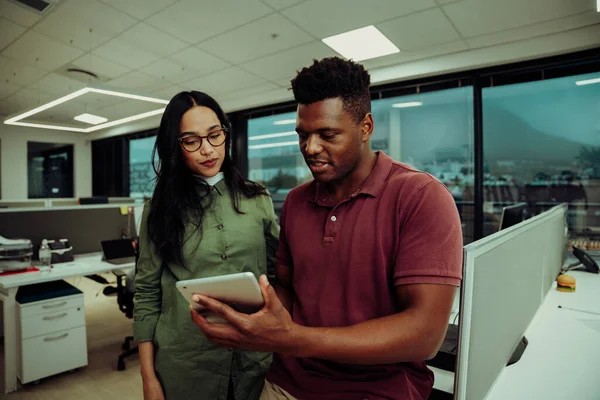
(83, 226)
(505, 279)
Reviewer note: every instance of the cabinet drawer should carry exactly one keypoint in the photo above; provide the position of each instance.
(52, 321)
(59, 304)
(53, 353)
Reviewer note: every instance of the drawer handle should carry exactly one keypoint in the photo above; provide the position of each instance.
(55, 305)
(55, 317)
(51, 339)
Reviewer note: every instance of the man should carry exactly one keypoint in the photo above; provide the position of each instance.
(368, 263)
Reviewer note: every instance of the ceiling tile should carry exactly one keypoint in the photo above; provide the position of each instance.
(420, 54)
(337, 16)
(197, 20)
(198, 60)
(18, 73)
(544, 28)
(9, 32)
(139, 82)
(140, 9)
(259, 99)
(100, 66)
(284, 65)
(442, 2)
(479, 17)
(251, 91)
(18, 14)
(57, 85)
(8, 88)
(149, 38)
(72, 21)
(125, 54)
(419, 30)
(27, 99)
(167, 93)
(32, 46)
(281, 4)
(223, 82)
(254, 40)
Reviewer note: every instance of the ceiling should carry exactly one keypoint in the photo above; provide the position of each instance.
(244, 53)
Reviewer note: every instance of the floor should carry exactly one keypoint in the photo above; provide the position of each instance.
(106, 329)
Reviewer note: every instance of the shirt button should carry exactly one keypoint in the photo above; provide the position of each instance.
(224, 257)
(333, 218)
(220, 227)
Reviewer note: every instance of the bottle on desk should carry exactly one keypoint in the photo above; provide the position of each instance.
(45, 254)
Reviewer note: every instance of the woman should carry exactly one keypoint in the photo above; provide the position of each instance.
(204, 219)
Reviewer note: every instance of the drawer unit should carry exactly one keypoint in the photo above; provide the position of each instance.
(52, 321)
(53, 353)
(50, 306)
(52, 335)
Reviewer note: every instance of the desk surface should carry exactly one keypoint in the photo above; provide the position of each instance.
(85, 264)
(562, 358)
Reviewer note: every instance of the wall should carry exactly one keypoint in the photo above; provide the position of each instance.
(13, 159)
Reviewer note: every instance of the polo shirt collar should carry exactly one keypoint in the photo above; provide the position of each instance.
(372, 186)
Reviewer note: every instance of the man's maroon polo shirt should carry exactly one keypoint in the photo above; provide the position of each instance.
(402, 227)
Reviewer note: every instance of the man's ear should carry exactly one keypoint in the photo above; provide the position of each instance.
(367, 127)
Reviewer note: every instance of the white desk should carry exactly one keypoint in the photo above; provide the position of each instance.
(88, 264)
(562, 358)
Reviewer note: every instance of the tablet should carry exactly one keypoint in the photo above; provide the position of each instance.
(239, 291)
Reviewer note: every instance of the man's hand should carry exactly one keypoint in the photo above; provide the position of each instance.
(271, 329)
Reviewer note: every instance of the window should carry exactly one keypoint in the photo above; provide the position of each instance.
(141, 172)
(542, 146)
(431, 131)
(49, 170)
(274, 158)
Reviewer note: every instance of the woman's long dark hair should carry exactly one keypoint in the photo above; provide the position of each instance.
(176, 198)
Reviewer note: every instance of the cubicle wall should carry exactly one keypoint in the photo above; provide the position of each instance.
(506, 277)
(84, 226)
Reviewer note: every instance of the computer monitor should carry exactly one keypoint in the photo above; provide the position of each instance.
(512, 215)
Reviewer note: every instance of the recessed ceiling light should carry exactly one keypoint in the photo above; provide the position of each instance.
(407, 104)
(272, 135)
(588, 81)
(90, 119)
(284, 122)
(362, 44)
(269, 145)
(16, 119)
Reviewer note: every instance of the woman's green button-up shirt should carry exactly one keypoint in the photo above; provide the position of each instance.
(187, 364)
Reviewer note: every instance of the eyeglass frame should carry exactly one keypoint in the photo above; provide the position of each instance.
(221, 129)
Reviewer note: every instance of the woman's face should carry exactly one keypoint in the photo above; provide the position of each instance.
(199, 127)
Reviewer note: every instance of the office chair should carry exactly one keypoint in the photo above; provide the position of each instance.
(125, 291)
(125, 302)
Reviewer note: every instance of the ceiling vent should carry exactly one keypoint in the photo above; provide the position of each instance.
(38, 6)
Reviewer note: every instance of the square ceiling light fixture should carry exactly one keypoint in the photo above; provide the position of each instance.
(362, 44)
(103, 108)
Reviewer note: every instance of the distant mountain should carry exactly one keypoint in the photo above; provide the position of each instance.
(507, 137)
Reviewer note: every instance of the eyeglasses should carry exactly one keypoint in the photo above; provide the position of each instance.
(192, 143)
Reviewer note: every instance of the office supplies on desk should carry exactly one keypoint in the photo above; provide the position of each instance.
(118, 251)
(15, 254)
(61, 251)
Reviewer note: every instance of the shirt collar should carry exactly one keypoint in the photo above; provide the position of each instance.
(372, 186)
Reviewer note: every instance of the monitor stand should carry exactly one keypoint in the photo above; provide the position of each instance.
(518, 352)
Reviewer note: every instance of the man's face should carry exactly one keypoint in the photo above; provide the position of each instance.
(330, 140)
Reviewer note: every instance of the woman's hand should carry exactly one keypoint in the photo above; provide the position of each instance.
(153, 389)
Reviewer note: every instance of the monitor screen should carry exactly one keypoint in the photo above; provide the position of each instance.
(119, 248)
(512, 215)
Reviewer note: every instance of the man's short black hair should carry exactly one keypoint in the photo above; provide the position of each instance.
(335, 77)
